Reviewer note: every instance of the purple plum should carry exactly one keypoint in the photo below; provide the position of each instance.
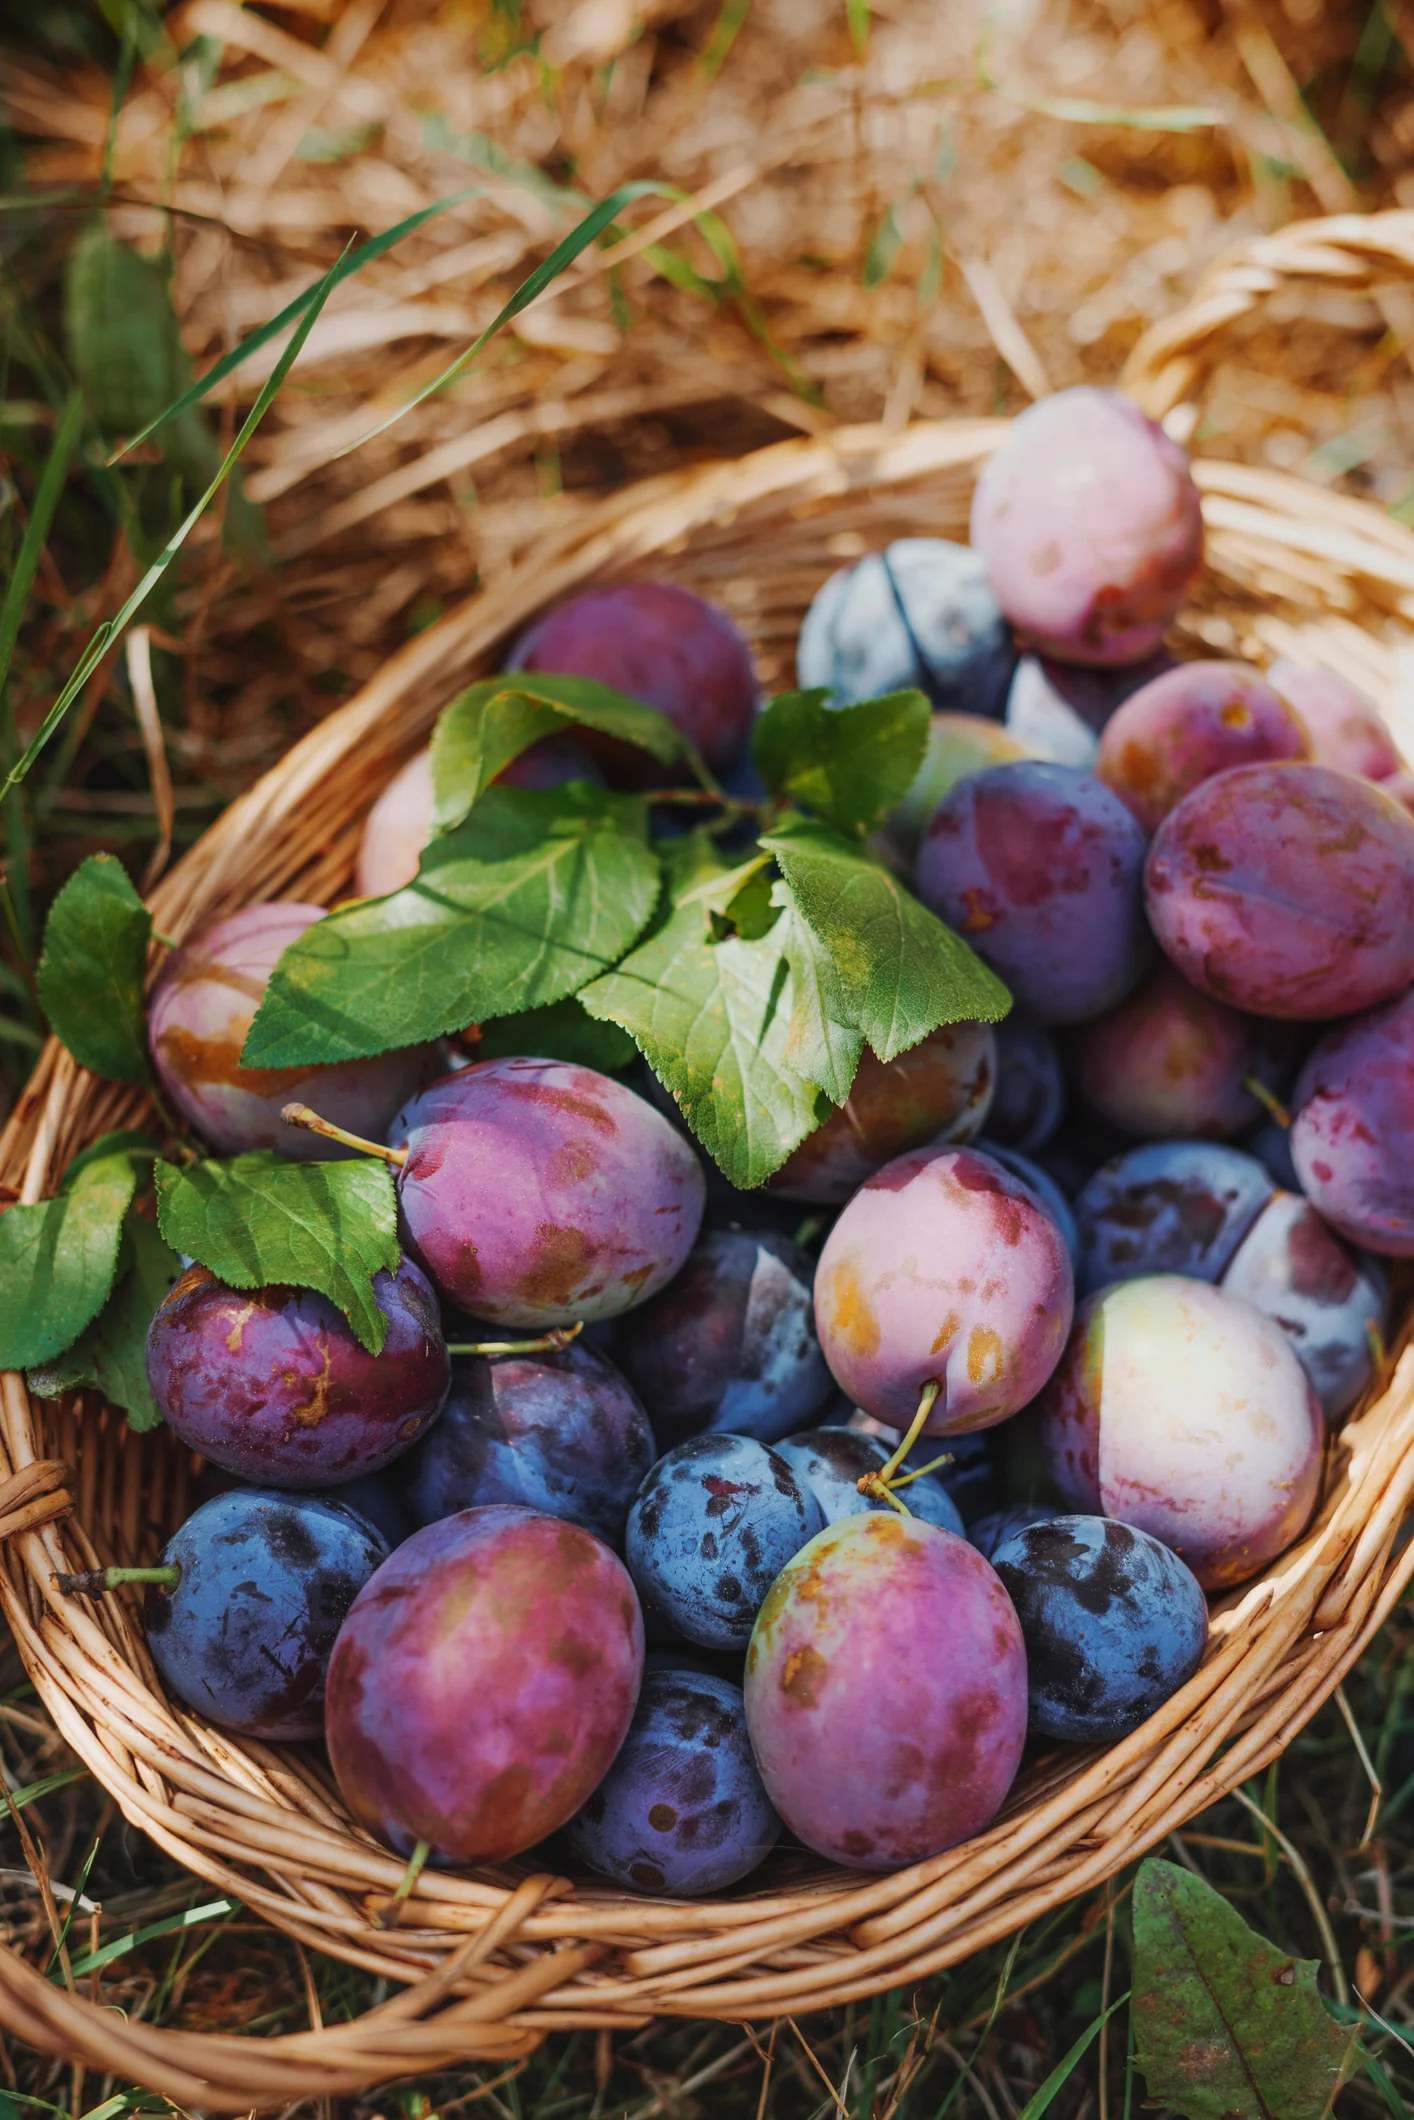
(1197, 720)
(1346, 728)
(483, 1683)
(1029, 1101)
(940, 1088)
(538, 1192)
(1040, 867)
(1175, 1207)
(1354, 1106)
(1331, 1305)
(1170, 1061)
(958, 744)
(271, 1383)
(878, 1750)
(1287, 890)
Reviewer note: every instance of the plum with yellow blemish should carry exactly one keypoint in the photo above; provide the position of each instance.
(886, 1692)
(273, 1385)
(202, 1006)
(1196, 720)
(1183, 1411)
(482, 1684)
(944, 1266)
(538, 1193)
(1171, 1061)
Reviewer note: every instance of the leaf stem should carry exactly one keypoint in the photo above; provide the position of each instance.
(301, 1115)
(1268, 1099)
(879, 1486)
(95, 1582)
(555, 1341)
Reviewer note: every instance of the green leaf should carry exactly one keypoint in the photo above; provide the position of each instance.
(41, 515)
(1227, 2027)
(823, 1044)
(849, 765)
(561, 1031)
(259, 1220)
(111, 1356)
(898, 971)
(91, 974)
(58, 1260)
(539, 891)
(124, 1142)
(713, 1021)
(493, 722)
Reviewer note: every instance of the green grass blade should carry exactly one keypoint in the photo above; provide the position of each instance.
(1037, 2103)
(110, 630)
(41, 515)
(16, 1799)
(120, 1946)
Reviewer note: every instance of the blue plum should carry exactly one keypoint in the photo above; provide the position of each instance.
(563, 1433)
(1114, 1623)
(1179, 1207)
(1331, 1304)
(832, 1461)
(375, 1497)
(1028, 1103)
(1271, 1145)
(918, 613)
(971, 1480)
(682, 1809)
(711, 1528)
(266, 1581)
(990, 1532)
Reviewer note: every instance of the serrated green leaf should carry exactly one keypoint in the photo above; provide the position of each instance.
(899, 971)
(822, 1043)
(259, 1220)
(58, 1260)
(124, 1142)
(491, 723)
(560, 1032)
(849, 765)
(539, 891)
(713, 1020)
(1227, 2027)
(111, 1356)
(91, 974)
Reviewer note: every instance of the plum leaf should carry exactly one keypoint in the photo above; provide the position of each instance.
(538, 892)
(111, 1356)
(823, 1044)
(92, 972)
(491, 723)
(899, 972)
(259, 1219)
(58, 1261)
(713, 1019)
(849, 765)
(560, 1031)
(1227, 2027)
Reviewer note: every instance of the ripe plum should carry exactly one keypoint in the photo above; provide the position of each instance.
(1331, 1305)
(1346, 729)
(876, 1751)
(1287, 890)
(501, 1608)
(1196, 720)
(1029, 1101)
(1045, 1188)
(1170, 1061)
(958, 744)
(832, 1461)
(1170, 1207)
(921, 614)
(1354, 1106)
(940, 1089)
(1040, 867)
(991, 1532)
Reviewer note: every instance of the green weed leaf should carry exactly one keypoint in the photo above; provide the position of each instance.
(58, 1261)
(561, 1031)
(1227, 2027)
(849, 765)
(539, 891)
(111, 1356)
(90, 977)
(493, 722)
(259, 1220)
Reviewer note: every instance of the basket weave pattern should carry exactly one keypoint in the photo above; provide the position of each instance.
(484, 1965)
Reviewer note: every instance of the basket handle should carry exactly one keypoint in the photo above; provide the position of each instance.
(1362, 253)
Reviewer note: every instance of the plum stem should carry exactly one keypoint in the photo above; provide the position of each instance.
(1268, 1099)
(94, 1582)
(555, 1341)
(387, 1916)
(879, 1486)
(301, 1115)
(932, 1465)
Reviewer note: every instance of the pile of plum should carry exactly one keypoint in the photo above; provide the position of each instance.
(939, 1440)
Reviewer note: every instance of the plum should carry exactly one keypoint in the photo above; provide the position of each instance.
(710, 1529)
(1040, 867)
(1170, 1061)
(1271, 1145)
(989, 1533)
(943, 1268)
(1354, 1106)
(1043, 722)
(1114, 1623)
(886, 1692)
(1177, 1207)
(682, 1808)
(264, 1583)
(398, 827)
(560, 1432)
(1287, 890)
(1331, 1305)
(1199, 719)
(272, 1384)
(832, 1461)
(659, 643)
(958, 744)
(378, 1500)
(202, 1006)
(1346, 728)
(940, 1088)
(1089, 523)
(483, 1683)
(538, 1192)
(730, 1345)
(918, 613)
(1183, 1411)
(1028, 1102)
(1044, 1186)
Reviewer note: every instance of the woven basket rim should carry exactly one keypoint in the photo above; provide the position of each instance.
(493, 1960)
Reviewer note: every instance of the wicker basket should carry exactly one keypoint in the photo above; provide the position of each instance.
(484, 1965)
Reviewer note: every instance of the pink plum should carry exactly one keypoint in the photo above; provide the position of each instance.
(1346, 729)
(1194, 721)
(1170, 1062)
(398, 827)
(1354, 1106)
